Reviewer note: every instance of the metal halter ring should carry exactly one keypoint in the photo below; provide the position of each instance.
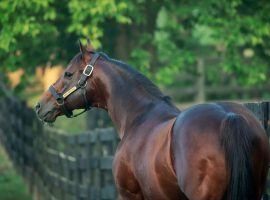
(60, 101)
(86, 68)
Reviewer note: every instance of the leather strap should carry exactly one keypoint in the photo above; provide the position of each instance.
(88, 70)
(60, 101)
(60, 97)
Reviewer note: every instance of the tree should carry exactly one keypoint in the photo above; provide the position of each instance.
(166, 40)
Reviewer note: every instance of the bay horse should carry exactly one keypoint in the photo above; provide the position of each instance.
(213, 151)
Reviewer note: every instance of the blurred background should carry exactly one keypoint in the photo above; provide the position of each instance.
(195, 51)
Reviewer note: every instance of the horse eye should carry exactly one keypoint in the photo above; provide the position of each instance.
(68, 74)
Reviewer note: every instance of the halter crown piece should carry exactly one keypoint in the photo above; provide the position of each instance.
(60, 97)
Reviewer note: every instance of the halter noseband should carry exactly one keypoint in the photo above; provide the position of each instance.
(60, 97)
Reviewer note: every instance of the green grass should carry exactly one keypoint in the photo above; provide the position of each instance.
(12, 186)
(73, 125)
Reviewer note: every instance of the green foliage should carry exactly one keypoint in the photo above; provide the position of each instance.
(160, 38)
(24, 25)
(220, 29)
(88, 16)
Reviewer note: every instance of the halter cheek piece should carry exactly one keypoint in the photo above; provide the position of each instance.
(60, 97)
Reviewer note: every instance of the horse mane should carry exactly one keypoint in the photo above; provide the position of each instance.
(139, 78)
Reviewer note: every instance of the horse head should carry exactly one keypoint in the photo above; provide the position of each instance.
(74, 88)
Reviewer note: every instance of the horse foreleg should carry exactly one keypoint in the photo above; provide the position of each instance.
(126, 183)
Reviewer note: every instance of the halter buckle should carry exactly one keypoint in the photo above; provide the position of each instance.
(88, 70)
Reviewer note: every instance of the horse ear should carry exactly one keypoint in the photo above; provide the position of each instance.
(82, 48)
(89, 46)
(88, 41)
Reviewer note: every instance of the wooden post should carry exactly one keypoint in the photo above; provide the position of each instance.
(200, 81)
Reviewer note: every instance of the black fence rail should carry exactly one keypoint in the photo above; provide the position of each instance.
(60, 166)
(79, 166)
(56, 165)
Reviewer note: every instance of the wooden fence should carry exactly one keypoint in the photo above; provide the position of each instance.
(60, 166)
(56, 165)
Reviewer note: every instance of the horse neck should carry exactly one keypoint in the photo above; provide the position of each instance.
(128, 104)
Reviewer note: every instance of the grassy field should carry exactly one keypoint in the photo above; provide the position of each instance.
(11, 184)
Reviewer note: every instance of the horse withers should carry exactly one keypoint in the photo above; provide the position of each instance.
(216, 151)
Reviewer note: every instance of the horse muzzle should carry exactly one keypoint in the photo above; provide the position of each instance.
(47, 114)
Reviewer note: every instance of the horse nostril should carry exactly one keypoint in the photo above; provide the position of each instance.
(37, 107)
